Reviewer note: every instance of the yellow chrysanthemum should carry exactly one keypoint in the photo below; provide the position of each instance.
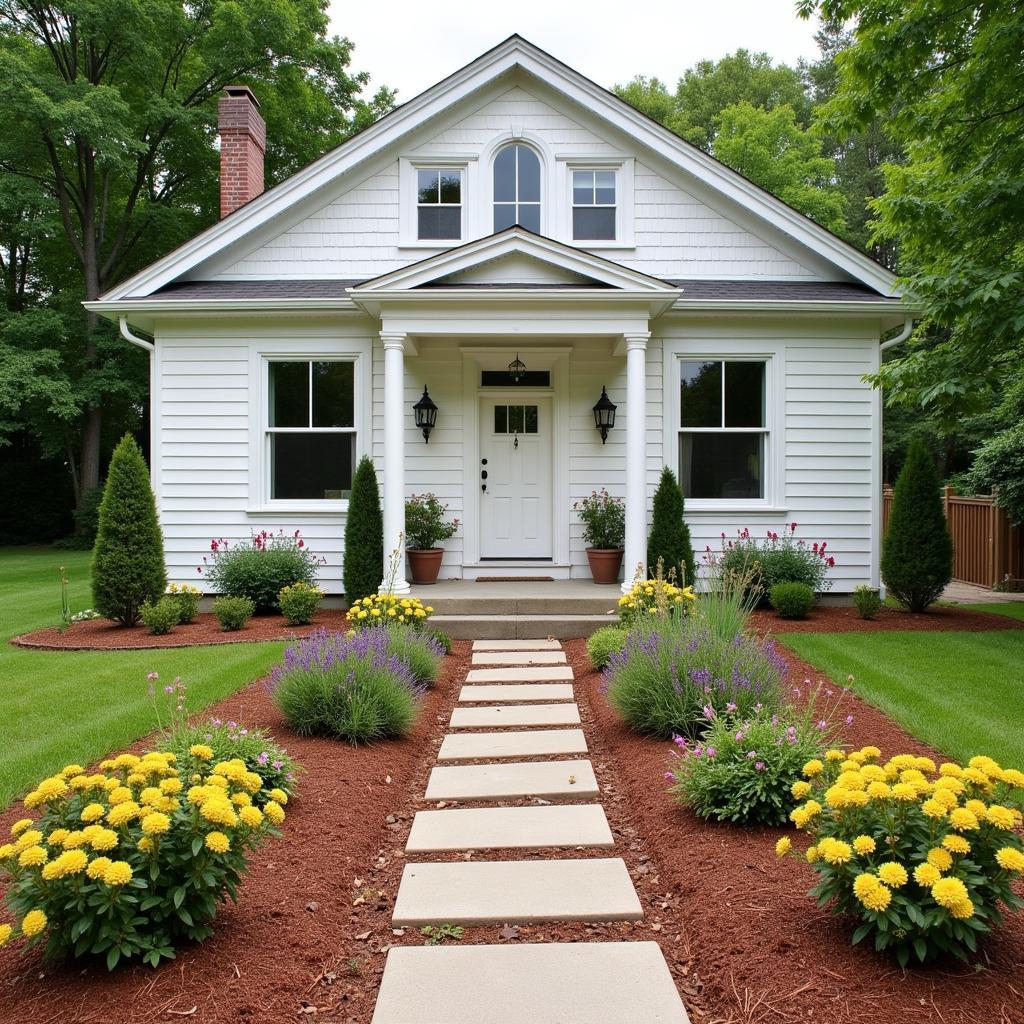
(949, 891)
(926, 875)
(202, 751)
(783, 846)
(7, 851)
(123, 813)
(97, 867)
(1001, 817)
(52, 788)
(70, 862)
(977, 808)
(904, 791)
(155, 824)
(834, 851)
(834, 755)
(103, 839)
(279, 795)
(92, 812)
(956, 844)
(241, 799)
(811, 855)
(1013, 777)
(119, 795)
(963, 820)
(878, 790)
(19, 826)
(856, 798)
(30, 837)
(32, 800)
(871, 893)
(274, 812)
(218, 842)
(813, 767)
(5, 934)
(118, 872)
(962, 909)
(870, 752)
(217, 781)
(76, 839)
(251, 816)
(57, 836)
(32, 857)
(1010, 859)
(800, 789)
(126, 761)
(33, 923)
(940, 859)
(945, 797)
(146, 845)
(892, 874)
(170, 786)
(933, 808)
(219, 812)
(864, 845)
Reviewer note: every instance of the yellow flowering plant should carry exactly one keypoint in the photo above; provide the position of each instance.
(132, 860)
(186, 597)
(388, 609)
(924, 855)
(652, 597)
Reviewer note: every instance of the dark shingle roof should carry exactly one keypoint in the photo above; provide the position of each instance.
(775, 291)
(279, 289)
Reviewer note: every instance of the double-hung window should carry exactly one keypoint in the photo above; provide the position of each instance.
(439, 203)
(593, 205)
(311, 432)
(723, 428)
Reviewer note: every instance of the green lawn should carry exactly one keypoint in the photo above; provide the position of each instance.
(962, 693)
(57, 707)
(1012, 609)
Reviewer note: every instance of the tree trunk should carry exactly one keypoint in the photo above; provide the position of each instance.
(92, 418)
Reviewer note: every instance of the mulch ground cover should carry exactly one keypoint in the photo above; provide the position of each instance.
(844, 619)
(309, 937)
(104, 635)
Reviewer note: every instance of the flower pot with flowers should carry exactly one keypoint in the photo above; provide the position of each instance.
(425, 525)
(604, 532)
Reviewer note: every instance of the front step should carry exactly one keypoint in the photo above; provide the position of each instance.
(520, 627)
(525, 606)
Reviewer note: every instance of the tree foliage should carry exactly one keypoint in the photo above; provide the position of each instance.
(670, 536)
(917, 552)
(128, 560)
(364, 535)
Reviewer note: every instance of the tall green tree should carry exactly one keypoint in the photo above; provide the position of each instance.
(945, 79)
(670, 540)
(109, 108)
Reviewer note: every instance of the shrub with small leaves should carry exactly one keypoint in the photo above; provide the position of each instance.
(162, 617)
(605, 642)
(299, 603)
(233, 612)
(867, 600)
(791, 600)
(187, 597)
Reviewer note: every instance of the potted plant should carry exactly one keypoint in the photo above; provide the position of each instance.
(425, 525)
(604, 532)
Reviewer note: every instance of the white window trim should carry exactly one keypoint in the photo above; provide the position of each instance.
(260, 502)
(408, 218)
(624, 231)
(486, 224)
(773, 355)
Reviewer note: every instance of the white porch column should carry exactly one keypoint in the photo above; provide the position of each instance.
(636, 455)
(394, 463)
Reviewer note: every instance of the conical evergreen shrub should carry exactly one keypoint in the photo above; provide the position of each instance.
(128, 558)
(670, 536)
(364, 535)
(917, 553)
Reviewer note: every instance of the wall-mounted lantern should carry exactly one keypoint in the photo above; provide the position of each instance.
(425, 412)
(516, 369)
(604, 415)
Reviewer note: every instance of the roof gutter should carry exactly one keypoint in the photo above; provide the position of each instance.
(908, 327)
(122, 323)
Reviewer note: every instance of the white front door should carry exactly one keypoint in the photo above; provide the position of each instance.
(515, 477)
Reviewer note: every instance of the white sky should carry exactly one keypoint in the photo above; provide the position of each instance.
(410, 46)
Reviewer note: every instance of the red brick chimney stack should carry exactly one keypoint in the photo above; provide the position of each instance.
(243, 141)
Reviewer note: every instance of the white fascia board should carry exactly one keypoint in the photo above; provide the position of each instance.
(513, 52)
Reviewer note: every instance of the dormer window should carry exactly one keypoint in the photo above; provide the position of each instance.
(593, 205)
(517, 188)
(439, 203)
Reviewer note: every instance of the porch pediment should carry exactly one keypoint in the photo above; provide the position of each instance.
(510, 260)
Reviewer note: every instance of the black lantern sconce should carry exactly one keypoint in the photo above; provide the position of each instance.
(604, 415)
(516, 369)
(425, 412)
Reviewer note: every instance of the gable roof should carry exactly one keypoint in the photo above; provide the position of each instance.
(514, 52)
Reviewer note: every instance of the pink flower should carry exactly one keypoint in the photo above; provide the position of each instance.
(759, 766)
(302, 543)
(792, 526)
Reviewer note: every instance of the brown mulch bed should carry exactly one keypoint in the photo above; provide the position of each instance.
(844, 619)
(294, 910)
(104, 635)
(760, 946)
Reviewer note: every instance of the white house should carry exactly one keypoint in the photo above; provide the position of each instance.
(514, 211)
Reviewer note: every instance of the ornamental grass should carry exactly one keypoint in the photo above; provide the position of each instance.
(923, 856)
(131, 861)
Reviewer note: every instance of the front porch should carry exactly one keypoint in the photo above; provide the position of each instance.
(524, 610)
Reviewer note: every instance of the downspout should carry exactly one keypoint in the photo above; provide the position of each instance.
(148, 346)
(908, 326)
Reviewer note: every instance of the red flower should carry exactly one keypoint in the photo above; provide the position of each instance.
(302, 543)
(792, 526)
(213, 545)
(831, 562)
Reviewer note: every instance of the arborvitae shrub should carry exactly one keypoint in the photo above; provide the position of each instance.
(364, 535)
(917, 553)
(670, 536)
(128, 560)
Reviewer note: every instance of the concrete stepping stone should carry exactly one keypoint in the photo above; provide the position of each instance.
(516, 892)
(515, 715)
(516, 645)
(513, 828)
(567, 780)
(501, 694)
(481, 745)
(519, 658)
(539, 674)
(543, 983)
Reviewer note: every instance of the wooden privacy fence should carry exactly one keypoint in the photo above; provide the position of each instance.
(987, 550)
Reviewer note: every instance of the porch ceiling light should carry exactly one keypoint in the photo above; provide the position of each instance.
(604, 414)
(425, 412)
(516, 369)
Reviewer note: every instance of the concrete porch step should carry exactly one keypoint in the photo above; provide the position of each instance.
(576, 603)
(565, 626)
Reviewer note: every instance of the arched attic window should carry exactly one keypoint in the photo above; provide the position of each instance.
(516, 188)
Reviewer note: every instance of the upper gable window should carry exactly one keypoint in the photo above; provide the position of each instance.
(439, 203)
(517, 188)
(593, 205)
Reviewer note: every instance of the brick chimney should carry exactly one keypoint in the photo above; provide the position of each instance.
(243, 141)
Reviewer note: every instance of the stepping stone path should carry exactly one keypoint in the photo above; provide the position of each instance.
(543, 983)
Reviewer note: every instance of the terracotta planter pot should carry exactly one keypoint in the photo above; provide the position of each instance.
(605, 564)
(424, 564)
